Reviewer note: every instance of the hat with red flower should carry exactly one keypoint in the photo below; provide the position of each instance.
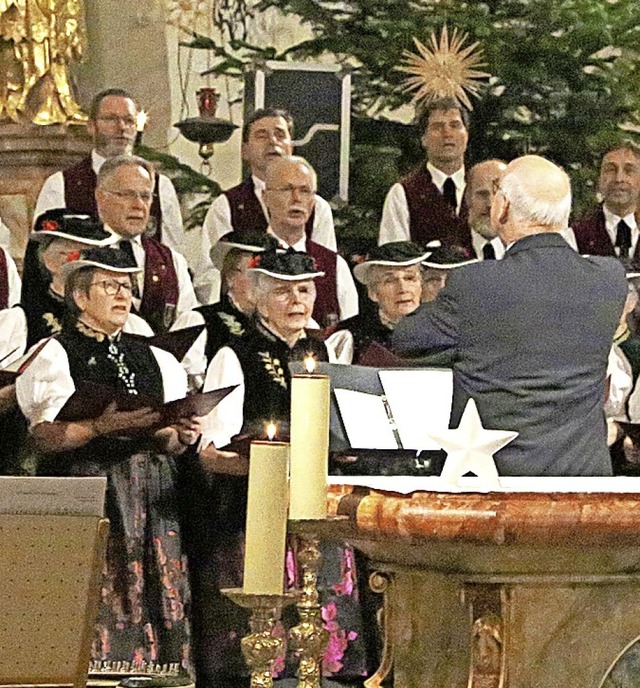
(289, 265)
(59, 223)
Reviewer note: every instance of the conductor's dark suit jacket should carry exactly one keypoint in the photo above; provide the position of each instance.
(528, 338)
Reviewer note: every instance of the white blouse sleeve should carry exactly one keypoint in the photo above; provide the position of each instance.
(225, 420)
(46, 384)
(340, 347)
(174, 379)
(13, 335)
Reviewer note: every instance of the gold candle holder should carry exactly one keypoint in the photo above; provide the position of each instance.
(309, 638)
(260, 648)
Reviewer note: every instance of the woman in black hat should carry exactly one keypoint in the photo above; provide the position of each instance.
(57, 234)
(143, 613)
(393, 279)
(284, 294)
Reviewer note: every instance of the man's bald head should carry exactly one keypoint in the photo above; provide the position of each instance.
(534, 197)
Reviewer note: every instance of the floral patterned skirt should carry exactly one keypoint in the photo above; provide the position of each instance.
(143, 613)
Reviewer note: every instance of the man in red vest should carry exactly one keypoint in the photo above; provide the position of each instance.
(612, 229)
(428, 203)
(124, 194)
(290, 185)
(113, 127)
(265, 135)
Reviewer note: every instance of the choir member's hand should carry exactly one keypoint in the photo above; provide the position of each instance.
(216, 461)
(113, 422)
(188, 430)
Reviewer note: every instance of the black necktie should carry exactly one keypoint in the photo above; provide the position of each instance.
(623, 238)
(126, 247)
(449, 193)
(488, 252)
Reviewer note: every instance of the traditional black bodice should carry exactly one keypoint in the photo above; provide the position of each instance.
(224, 323)
(265, 359)
(366, 329)
(44, 311)
(125, 364)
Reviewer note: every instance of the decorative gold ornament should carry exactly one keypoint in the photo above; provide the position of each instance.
(261, 647)
(445, 70)
(39, 40)
(309, 638)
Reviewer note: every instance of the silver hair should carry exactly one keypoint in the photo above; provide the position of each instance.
(110, 165)
(299, 160)
(528, 208)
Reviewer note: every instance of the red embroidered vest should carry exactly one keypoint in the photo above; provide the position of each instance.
(161, 289)
(430, 216)
(4, 281)
(326, 309)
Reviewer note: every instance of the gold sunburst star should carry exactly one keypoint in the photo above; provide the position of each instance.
(444, 70)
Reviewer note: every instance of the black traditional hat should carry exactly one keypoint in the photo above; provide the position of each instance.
(448, 257)
(111, 259)
(59, 223)
(397, 254)
(289, 265)
(253, 242)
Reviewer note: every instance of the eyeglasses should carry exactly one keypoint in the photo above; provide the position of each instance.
(131, 195)
(303, 191)
(129, 122)
(302, 292)
(112, 287)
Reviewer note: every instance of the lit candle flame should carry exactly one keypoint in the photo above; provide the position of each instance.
(141, 120)
(272, 430)
(309, 363)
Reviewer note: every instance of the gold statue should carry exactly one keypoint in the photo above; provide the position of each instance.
(39, 39)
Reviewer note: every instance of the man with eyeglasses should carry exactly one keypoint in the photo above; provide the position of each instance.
(428, 204)
(124, 194)
(289, 195)
(266, 135)
(113, 126)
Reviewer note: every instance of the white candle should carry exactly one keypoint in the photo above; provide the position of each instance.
(266, 529)
(309, 446)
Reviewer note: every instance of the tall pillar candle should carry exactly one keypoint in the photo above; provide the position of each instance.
(309, 446)
(266, 529)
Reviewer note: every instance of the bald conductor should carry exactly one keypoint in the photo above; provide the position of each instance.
(528, 336)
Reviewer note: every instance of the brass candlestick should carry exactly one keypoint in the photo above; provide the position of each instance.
(260, 648)
(309, 638)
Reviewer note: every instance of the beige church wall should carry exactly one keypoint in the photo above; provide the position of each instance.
(127, 48)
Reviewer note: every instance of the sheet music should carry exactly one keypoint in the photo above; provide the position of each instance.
(365, 420)
(420, 401)
(68, 496)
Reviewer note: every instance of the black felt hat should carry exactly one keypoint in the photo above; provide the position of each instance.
(59, 223)
(111, 259)
(253, 242)
(396, 254)
(288, 265)
(448, 257)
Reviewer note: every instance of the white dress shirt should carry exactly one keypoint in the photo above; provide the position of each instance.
(186, 295)
(394, 225)
(206, 277)
(611, 223)
(478, 242)
(217, 222)
(345, 286)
